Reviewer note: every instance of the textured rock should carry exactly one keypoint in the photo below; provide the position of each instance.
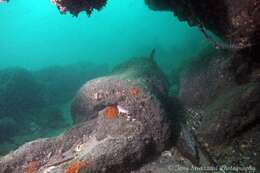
(124, 123)
(187, 145)
(186, 156)
(77, 6)
(204, 80)
(222, 106)
(236, 21)
(125, 87)
(169, 161)
(231, 113)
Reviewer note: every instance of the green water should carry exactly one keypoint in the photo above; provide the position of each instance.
(35, 35)
(45, 57)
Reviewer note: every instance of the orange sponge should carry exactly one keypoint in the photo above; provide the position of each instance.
(111, 112)
(135, 91)
(32, 167)
(75, 167)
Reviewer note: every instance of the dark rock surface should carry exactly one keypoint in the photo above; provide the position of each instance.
(204, 80)
(169, 161)
(185, 156)
(77, 6)
(222, 105)
(231, 113)
(236, 21)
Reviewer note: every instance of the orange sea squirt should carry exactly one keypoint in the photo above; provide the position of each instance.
(111, 112)
(135, 91)
(75, 167)
(32, 167)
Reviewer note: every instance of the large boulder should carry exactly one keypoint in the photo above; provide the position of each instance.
(122, 120)
(135, 78)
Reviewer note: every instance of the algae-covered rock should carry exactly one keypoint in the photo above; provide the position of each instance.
(121, 121)
(128, 84)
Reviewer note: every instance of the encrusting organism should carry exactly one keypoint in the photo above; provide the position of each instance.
(111, 112)
(32, 167)
(76, 6)
(75, 167)
(135, 91)
(114, 111)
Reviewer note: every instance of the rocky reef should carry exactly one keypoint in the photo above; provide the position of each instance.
(33, 103)
(222, 107)
(220, 90)
(235, 21)
(122, 121)
(127, 121)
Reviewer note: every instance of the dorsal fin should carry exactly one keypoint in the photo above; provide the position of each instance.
(152, 54)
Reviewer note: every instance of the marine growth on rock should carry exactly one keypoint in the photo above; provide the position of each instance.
(135, 91)
(77, 6)
(32, 167)
(75, 167)
(111, 112)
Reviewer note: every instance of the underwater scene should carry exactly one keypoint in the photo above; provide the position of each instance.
(129, 86)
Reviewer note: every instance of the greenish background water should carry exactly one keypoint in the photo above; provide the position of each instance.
(35, 35)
